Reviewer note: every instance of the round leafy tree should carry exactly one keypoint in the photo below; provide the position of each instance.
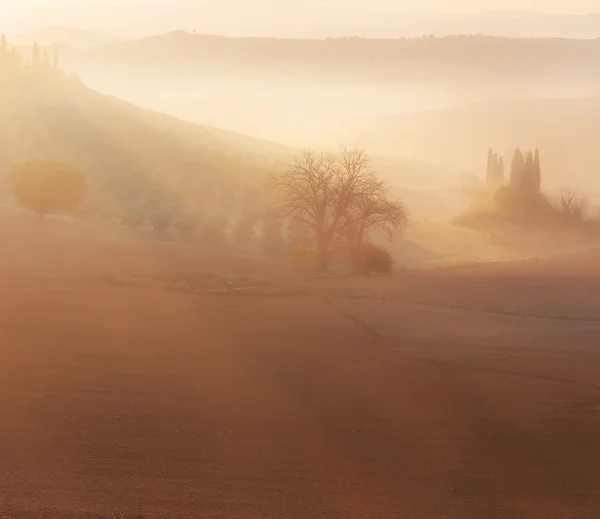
(48, 187)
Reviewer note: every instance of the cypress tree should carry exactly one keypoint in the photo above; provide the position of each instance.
(36, 60)
(500, 173)
(517, 169)
(489, 174)
(529, 173)
(537, 172)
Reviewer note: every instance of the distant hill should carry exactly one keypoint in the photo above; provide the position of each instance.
(357, 58)
(565, 130)
(297, 91)
(306, 19)
(65, 37)
(125, 151)
(132, 155)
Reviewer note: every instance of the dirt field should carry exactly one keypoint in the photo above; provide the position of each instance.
(481, 400)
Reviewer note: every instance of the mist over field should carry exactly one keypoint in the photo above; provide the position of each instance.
(438, 100)
(281, 259)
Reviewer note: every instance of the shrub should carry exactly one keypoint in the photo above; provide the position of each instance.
(571, 205)
(369, 258)
(531, 206)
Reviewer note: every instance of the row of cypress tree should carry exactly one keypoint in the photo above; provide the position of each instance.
(525, 171)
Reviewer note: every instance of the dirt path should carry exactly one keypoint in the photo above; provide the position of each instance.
(143, 404)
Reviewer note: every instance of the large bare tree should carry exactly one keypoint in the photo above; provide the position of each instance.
(337, 195)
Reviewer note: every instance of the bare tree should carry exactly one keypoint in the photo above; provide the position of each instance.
(336, 195)
(372, 209)
(571, 204)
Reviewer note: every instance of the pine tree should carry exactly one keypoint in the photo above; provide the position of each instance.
(3, 44)
(36, 60)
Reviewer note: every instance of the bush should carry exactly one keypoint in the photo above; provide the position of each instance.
(571, 205)
(372, 258)
(530, 206)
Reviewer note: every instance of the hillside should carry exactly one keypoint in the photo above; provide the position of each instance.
(384, 59)
(129, 153)
(125, 151)
(305, 92)
(563, 129)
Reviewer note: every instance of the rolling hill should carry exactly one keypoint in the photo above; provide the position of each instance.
(131, 155)
(125, 151)
(565, 131)
(301, 91)
(382, 59)
(306, 19)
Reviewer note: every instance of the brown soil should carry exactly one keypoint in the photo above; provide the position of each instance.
(133, 402)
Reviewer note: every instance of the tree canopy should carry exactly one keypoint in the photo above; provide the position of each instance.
(48, 187)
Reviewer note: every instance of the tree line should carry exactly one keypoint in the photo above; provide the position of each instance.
(519, 199)
(328, 199)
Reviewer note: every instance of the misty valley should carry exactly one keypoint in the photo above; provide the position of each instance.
(295, 274)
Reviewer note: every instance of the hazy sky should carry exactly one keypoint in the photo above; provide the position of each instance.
(559, 6)
(296, 18)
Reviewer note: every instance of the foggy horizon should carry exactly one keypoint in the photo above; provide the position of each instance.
(299, 259)
(269, 18)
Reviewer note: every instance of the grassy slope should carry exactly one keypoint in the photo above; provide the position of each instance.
(121, 148)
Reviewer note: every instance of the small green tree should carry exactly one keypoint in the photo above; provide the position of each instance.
(48, 187)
